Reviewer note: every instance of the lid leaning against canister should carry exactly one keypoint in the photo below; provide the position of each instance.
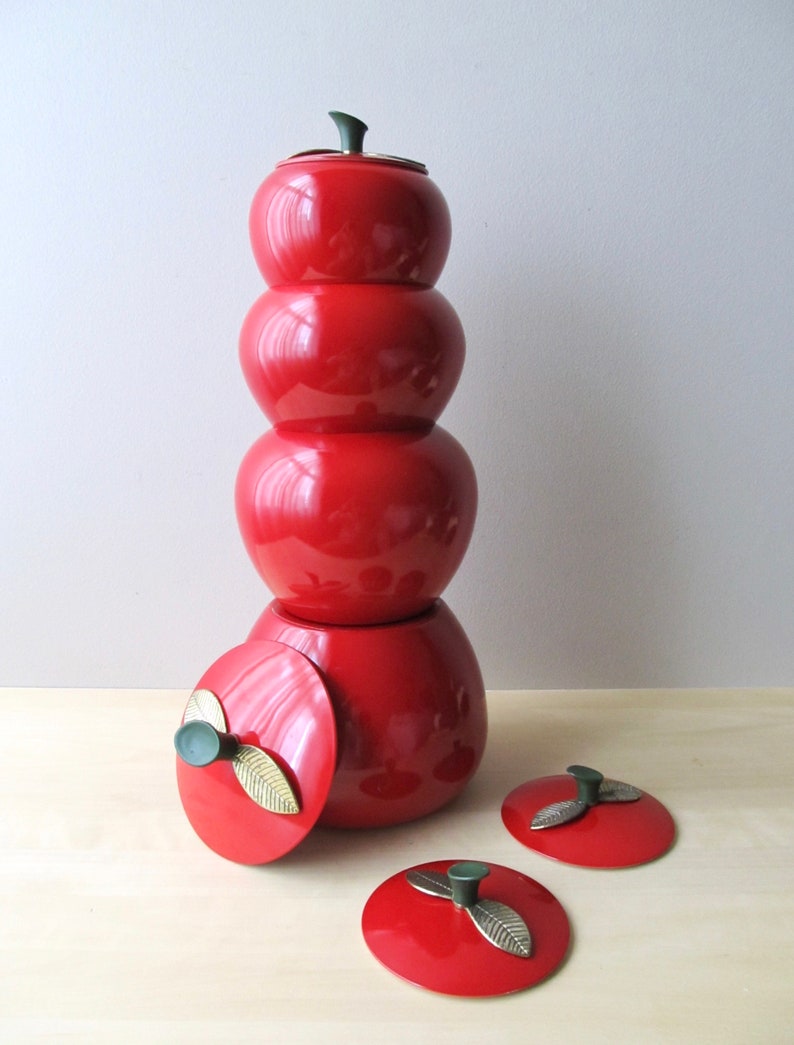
(256, 752)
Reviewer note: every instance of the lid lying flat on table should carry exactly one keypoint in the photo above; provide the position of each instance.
(466, 928)
(586, 819)
(256, 752)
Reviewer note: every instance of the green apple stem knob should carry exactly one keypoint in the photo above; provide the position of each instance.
(199, 743)
(351, 131)
(588, 782)
(465, 878)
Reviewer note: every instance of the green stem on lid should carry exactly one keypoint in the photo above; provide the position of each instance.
(587, 783)
(351, 131)
(465, 880)
(198, 743)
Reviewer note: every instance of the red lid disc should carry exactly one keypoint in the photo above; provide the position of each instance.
(621, 832)
(265, 709)
(419, 932)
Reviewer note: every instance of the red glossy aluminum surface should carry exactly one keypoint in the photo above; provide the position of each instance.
(432, 944)
(352, 356)
(274, 699)
(356, 528)
(348, 219)
(410, 711)
(607, 836)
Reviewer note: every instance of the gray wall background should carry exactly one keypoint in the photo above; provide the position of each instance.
(620, 181)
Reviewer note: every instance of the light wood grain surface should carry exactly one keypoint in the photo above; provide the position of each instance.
(119, 925)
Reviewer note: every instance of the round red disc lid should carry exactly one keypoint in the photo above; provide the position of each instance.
(585, 819)
(466, 928)
(256, 752)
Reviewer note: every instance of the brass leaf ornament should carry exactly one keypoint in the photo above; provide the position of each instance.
(592, 788)
(435, 883)
(204, 706)
(499, 924)
(203, 739)
(558, 813)
(617, 791)
(262, 779)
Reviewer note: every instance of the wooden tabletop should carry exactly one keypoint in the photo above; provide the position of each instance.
(119, 925)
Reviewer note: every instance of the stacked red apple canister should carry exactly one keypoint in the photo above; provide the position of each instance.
(356, 507)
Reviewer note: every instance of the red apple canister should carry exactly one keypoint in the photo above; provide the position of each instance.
(355, 507)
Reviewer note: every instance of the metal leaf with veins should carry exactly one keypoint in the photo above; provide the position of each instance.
(259, 775)
(499, 924)
(435, 883)
(617, 791)
(263, 780)
(204, 706)
(592, 788)
(558, 813)
(502, 926)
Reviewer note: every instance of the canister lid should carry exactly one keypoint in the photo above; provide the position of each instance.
(256, 752)
(466, 928)
(586, 819)
(351, 133)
